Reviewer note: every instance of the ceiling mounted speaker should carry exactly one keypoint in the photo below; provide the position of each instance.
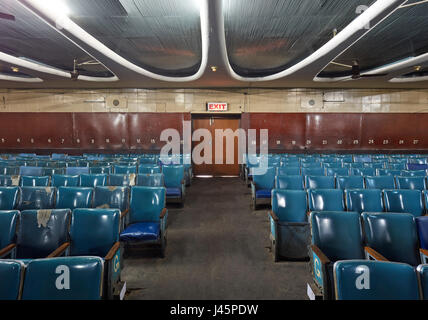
(116, 102)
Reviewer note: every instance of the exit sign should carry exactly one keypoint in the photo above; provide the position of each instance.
(216, 106)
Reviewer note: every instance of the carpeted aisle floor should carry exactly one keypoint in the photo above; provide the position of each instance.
(217, 249)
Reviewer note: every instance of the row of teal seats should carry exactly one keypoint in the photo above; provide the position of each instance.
(346, 182)
(38, 280)
(173, 179)
(338, 236)
(288, 218)
(25, 198)
(36, 234)
(263, 183)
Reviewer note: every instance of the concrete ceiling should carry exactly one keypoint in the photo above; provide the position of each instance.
(302, 76)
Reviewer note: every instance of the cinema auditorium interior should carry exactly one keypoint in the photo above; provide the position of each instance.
(214, 150)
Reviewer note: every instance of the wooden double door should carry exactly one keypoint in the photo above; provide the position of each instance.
(213, 123)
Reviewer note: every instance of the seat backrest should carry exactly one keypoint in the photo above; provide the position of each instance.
(93, 231)
(9, 198)
(313, 171)
(266, 180)
(51, 171)
(35, 198)
(290, 205)
(30, 171)
(413, 173)
(149, 169)
(93, 180)
(413, 183)
(8, 221)
(393, 235)
(73, 197)
(337, 234)
(289, 182)
(363, 171)
(422, 227)
(146, 203)
(11, 275)
(375, 280)
(150, 180)
(364, 200)
(34, 181)
(173, 175)
(100, 170)
(8, 181)
(319, 182)
(60, 180)
(72, 171)
(337, 171)
(123, 169)
(82, 279)
(40, 232)
(379, 182)
(349, 182)
(326, 200)
(387, 172)
(407, 201)
(111, 197)
(288, 171)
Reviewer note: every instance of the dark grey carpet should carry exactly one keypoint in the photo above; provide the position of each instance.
(217, 249)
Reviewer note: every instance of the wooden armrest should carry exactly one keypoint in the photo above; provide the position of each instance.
(112, 251)
(58, 251)
(124, 213)
(163, 213)
(274, 216)
(424, 251)
(320, 254)
(7, 249)
(375, 254)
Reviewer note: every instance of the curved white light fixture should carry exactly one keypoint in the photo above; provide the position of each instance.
(405, 63)
(354, 28)
(62, 21)
(5, 77)
(48, 69)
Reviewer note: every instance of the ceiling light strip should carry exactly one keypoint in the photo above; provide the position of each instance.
(380, 9)
(402, 64)
(65, 23)
(4, 77)
(48, 69)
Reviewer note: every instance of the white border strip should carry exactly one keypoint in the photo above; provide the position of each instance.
(68, 25)
(4, 77)
(355, 27)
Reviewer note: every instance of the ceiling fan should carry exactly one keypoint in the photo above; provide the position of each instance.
(356, 71)
(7, 16)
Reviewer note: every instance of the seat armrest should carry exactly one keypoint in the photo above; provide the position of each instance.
(124, 213)
(372, 254)
(112, 251)
(163, 213)
(423, 253)
(59, 251)
(7, 249)
(323, 258)
(274, 216)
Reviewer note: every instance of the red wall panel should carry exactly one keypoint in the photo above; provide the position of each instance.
(342, 131)
(36, 130)
(101, 131)
(49, 132)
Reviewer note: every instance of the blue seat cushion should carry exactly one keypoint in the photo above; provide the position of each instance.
(141, 231)
(173, 192)
(263, 193)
